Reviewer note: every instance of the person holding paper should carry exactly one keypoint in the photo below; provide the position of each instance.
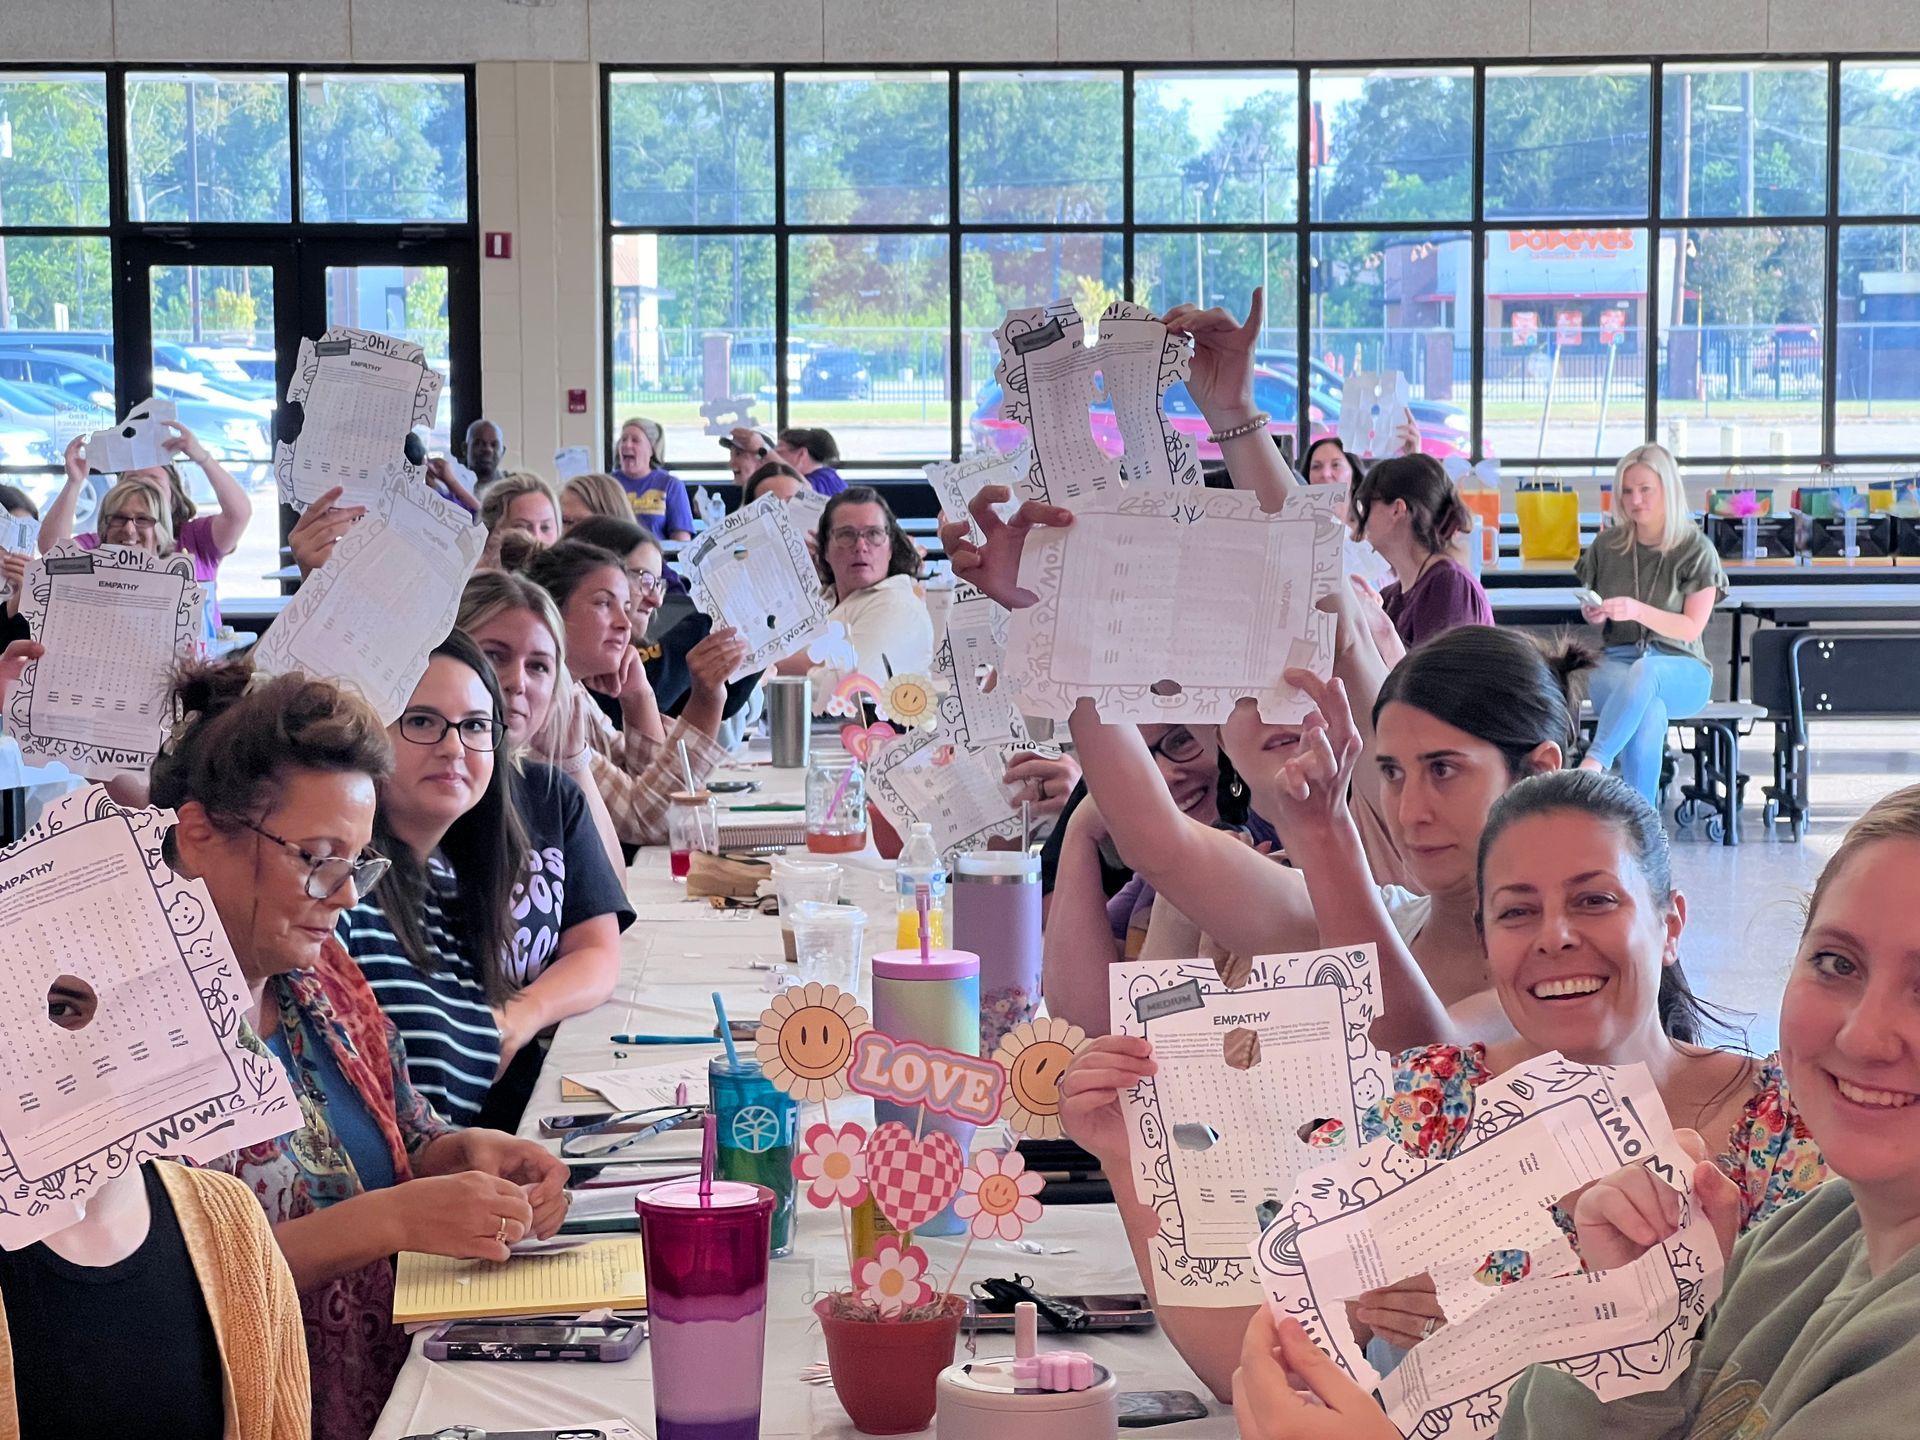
(149, 510)
(274, 784)
(657, 497)
(1817, 1330)
(1409, 511)
(871, 571)
(774, 477)
(637, 765)
(1659, 578)
(594, 493)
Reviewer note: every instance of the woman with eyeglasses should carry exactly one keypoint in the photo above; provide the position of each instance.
(274, 780)
(569, 908)
(636, 765)
(871, 571)
(149, 509)
(434, 935)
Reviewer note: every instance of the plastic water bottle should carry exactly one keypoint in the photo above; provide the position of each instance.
(920, 865)
(710, 507)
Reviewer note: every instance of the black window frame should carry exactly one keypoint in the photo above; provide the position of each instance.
(1304, 228)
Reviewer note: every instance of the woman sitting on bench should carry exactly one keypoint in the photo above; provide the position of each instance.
(1658, 580)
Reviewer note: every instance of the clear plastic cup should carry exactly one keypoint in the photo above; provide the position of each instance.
(828, 942)
(796, 880)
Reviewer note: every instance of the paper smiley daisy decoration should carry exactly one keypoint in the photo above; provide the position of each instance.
(816, 1043)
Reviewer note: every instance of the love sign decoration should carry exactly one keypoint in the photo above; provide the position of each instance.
(908, 1073)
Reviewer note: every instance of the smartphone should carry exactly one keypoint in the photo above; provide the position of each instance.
(1104, 1312)
(742, 1029)
(474, 1432)
(732, 787)
(1589, 598)
(1141, 1408)
(536, 1338)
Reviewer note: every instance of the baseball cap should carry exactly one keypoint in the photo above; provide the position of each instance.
(727, 441)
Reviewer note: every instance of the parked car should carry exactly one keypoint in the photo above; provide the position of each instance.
(1443, 427)
(220, 374)
(836, 375)
(230, 431)
(1274, 393)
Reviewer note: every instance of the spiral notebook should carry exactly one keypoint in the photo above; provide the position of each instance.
(604, 1273)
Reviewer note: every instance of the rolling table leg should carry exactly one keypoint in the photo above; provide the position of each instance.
(1736, 617)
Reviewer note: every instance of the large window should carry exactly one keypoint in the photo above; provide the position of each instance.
(161, 233)
(1564, 259)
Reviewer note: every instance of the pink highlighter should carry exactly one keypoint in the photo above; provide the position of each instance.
(1056, 1395)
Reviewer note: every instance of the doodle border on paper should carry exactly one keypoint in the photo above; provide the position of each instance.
(963, 705)
(1180, 1278)
(769, 516)
(306, 368)
(261, 1106)
(100, 762)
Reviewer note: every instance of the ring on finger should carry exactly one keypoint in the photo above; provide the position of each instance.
(501, 1234)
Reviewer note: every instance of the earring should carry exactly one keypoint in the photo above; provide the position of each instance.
(1236, 787)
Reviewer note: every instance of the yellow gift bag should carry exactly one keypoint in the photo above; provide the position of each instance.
(1549, 522)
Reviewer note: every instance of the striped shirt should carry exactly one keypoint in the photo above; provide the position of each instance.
(452, 1041)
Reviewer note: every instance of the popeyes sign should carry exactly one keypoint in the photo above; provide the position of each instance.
(1608, 242)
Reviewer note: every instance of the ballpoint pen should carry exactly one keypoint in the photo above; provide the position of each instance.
(665, 1040)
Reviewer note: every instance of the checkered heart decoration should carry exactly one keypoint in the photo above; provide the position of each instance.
(912, 1180)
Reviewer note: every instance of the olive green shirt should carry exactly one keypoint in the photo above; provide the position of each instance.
(1660, 578)
(1804, 1344)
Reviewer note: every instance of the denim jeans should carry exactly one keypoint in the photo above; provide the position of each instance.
(1634, 695)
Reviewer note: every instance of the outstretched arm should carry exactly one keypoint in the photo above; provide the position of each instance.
(56, 525)
(1221, 383)
(1079, 945)
(1237, 895)
(1307, 799)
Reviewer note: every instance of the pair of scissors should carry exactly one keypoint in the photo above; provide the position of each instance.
(617, 1132)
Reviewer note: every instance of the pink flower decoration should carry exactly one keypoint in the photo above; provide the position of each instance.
(996, 1195)
(833, 1165)
(891, 1279)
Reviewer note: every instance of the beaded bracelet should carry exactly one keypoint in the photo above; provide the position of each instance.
(1245, 427)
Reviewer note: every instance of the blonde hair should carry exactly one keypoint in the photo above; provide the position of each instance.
(1679, 518)
(656, 437)
(508, 488)
(1895, 816)
(601, 494)
(490, 594)
(131, 489)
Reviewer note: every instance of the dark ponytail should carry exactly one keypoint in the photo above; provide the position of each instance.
(1433, 504)
(1684, 1016)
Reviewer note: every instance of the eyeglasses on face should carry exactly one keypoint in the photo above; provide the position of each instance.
(1178, 745)
(142, 524)
(429, 727)
(645, 582)
(860, 535)
(327, 873)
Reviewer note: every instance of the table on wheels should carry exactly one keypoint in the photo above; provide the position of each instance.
(671, 959)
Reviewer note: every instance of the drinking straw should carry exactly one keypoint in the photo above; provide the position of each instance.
(686, 768)
(709, 1153)
(726, 1032)
(923, 903)
(1026, 825)
(833, 805)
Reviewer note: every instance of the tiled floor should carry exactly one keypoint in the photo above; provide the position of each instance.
(1743, 903)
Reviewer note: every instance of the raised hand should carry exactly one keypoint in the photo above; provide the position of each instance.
(1308, 792)
(993, 566)
(715, 657)
(316, 532)
(1221, 381)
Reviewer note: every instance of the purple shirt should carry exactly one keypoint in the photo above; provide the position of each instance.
(826, 481)
(196, 539)
(659, 500)
(1443, 598)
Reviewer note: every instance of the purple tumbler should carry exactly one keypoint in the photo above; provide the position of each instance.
(996, 915)
(706, 1306)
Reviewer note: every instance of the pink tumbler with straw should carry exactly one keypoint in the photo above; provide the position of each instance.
(706, 1250)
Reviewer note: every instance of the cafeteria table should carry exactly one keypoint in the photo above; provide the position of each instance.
(673, 956)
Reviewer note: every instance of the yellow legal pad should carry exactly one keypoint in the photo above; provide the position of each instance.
(599, 1273)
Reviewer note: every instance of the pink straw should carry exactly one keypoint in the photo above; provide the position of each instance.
(709, 1153)
(923, 902)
